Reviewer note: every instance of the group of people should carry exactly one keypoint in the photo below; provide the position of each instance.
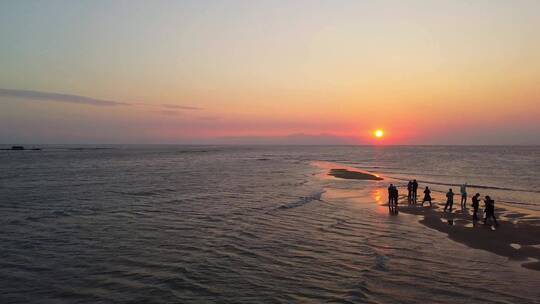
(393, 195)
(412, 189)
(450, 197)
(412, 195)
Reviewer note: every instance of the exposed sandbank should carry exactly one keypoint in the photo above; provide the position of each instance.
(517, 236)
(348, 174)
(513, 238)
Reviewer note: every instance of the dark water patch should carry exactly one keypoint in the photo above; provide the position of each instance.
(380, 262)
(33, 218)
(60, 213)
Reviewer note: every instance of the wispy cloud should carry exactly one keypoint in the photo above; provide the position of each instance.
(169, 112)
(172, 106)
(169, 109)
(59, 97)
(210, 118)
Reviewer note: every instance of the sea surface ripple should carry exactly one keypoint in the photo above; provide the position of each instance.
(175, 224)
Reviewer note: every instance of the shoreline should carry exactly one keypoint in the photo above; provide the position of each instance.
(517, 236)
(512, 239)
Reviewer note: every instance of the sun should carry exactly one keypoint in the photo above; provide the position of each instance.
(378, 133)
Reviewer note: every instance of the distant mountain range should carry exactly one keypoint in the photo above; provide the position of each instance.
(292, 139)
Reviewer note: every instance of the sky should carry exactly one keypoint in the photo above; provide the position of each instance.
(188, 72)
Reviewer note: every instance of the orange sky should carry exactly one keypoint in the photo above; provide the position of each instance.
(443, 72)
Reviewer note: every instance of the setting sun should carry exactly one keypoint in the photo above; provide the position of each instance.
(378, 133)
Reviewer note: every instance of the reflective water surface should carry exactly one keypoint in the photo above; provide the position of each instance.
(174, 224)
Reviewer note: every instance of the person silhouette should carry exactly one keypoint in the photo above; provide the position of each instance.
(396, 196)
(463, 190)
(449, 200)
(409, 192)
(427, 196)
(392, 198)
(415, 191)
(390, 195)
(490, 210)
(475, 205)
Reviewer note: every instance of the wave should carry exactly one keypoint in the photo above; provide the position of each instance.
(303, 200)
(139, 193)
(195, 151)
(144, 193)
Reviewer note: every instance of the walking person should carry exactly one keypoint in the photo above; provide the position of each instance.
(463, 190)
(475, 205)
(427, 196)
(415, 191)
(490, 210)
(449, 200)
(409, 192)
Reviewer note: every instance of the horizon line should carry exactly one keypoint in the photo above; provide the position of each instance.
(268, 144)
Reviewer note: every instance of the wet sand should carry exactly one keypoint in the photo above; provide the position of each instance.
(513, 239)
(516, 237)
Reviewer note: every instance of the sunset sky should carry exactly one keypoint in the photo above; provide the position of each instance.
(425, 72)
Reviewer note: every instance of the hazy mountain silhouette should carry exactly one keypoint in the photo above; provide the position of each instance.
(292, 139)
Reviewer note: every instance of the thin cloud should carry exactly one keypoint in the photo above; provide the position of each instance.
(169, 109)
(59, 97)
(172, 106)
(170, 113)
(211, 118)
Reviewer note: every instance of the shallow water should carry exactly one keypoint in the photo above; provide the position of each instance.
(161, 224)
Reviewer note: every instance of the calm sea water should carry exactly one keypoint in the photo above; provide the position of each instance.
(174, 224)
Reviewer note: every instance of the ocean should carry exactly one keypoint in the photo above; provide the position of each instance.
(251, 224)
